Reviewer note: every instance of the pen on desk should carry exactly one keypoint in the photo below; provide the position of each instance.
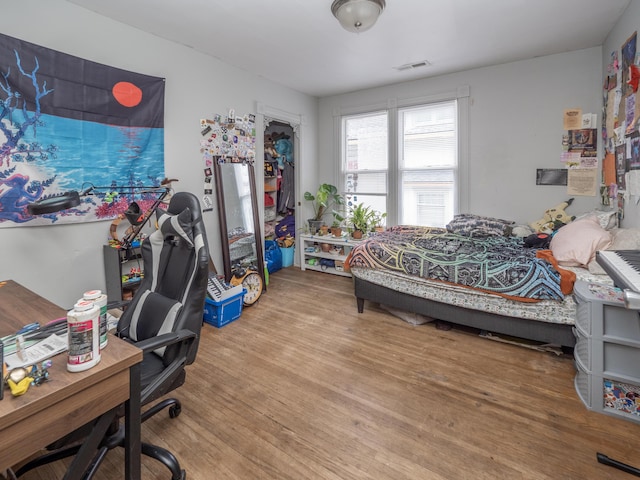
(32, 327)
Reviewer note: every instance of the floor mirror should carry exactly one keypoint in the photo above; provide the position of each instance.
(242, 252)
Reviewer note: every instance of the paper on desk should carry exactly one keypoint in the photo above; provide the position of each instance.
(46, 348)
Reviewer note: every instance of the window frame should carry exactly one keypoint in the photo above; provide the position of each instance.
(392, 107)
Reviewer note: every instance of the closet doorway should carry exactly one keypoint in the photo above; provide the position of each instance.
(281, 184)
(280, 147)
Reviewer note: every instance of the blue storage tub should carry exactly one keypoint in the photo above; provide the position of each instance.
(223, 312)
(287, 256)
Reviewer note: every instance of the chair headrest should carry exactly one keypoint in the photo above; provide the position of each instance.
(176, 225)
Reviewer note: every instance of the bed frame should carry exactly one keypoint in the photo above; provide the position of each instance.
(545, 332)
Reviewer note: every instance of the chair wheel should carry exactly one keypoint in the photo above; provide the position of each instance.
(174, 411)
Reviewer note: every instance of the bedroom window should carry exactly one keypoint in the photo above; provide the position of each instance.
(366, 159)
(403, 161)
(427, 162)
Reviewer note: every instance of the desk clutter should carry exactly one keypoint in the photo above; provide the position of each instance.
(26, 354)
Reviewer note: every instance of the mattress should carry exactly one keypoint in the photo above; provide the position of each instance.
(552, 311)
(493, 263)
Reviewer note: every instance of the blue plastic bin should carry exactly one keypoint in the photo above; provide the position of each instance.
(287, 256)
(223, 312)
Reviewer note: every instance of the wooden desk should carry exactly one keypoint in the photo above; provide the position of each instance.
(68, 400)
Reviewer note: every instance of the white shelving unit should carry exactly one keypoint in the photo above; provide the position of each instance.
(312, 257)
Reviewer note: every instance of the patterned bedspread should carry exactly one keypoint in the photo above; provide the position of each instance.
(494, 264)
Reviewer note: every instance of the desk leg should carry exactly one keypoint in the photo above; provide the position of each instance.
(86, 455)
(132, 427)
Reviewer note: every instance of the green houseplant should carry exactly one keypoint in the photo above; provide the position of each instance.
(323, 202)
(361, 219)
(378, 221)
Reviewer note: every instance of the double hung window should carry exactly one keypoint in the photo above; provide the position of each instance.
(403, 161)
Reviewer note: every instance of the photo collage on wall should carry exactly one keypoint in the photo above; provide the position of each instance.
(621, 115)
(579, 152)
(225, 139)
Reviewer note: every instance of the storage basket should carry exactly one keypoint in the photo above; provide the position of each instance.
(223, 312)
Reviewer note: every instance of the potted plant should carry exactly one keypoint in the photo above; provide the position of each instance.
(361, 220)
(378, 221)
(322, 202)
(338, 219)
(336, 229)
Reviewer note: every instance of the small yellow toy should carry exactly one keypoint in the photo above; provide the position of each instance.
(19, 381)
(21, 387)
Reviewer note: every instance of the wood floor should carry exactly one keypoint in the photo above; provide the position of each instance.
(304, 387)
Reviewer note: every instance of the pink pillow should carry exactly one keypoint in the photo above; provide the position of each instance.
(576, 243)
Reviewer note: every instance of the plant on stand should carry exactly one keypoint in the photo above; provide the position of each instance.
(378, 221)
(338, 219)
(322, 202)
(361, 220)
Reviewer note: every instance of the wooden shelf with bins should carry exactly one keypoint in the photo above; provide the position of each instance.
(311, 255)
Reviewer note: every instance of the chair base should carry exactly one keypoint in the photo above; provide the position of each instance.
(161, 454)
(115, 438)
(175, 407)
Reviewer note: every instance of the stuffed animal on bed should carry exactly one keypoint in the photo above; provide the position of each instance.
(553, 218)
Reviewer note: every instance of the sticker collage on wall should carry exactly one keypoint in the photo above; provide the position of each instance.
(621, 112)
(225, 139)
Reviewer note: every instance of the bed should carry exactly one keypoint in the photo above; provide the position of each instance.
(488, 280)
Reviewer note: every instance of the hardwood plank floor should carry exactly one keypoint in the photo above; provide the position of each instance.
(304, 387)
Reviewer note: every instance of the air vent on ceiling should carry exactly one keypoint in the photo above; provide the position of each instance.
(411, 66)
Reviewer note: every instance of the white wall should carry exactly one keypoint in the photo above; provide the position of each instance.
(628, 24)
(515, 127)
(61, 262)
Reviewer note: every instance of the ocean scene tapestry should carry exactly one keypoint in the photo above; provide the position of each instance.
(68, 124)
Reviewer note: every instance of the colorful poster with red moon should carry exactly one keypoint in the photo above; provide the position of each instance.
(67, 124)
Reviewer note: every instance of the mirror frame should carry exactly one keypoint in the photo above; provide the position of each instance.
(218, 164)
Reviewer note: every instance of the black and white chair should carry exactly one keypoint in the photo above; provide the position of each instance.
(164, 319)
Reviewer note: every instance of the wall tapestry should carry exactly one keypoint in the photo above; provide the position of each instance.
(67, 123)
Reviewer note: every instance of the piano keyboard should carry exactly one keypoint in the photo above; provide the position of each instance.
(623, 266)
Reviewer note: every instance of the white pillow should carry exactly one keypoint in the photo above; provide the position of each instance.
(576, 243)
(608, 220)
(623, 239)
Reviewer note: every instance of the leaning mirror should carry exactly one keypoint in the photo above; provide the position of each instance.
(242, 252)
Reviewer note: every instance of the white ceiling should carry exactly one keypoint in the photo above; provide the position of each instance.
(298, 43)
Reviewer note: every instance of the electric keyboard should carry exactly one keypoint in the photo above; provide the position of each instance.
(218, 290)
(623, 266)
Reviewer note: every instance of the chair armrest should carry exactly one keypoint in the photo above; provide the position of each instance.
(165, 340)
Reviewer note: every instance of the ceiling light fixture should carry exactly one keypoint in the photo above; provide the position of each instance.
(357, 15)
